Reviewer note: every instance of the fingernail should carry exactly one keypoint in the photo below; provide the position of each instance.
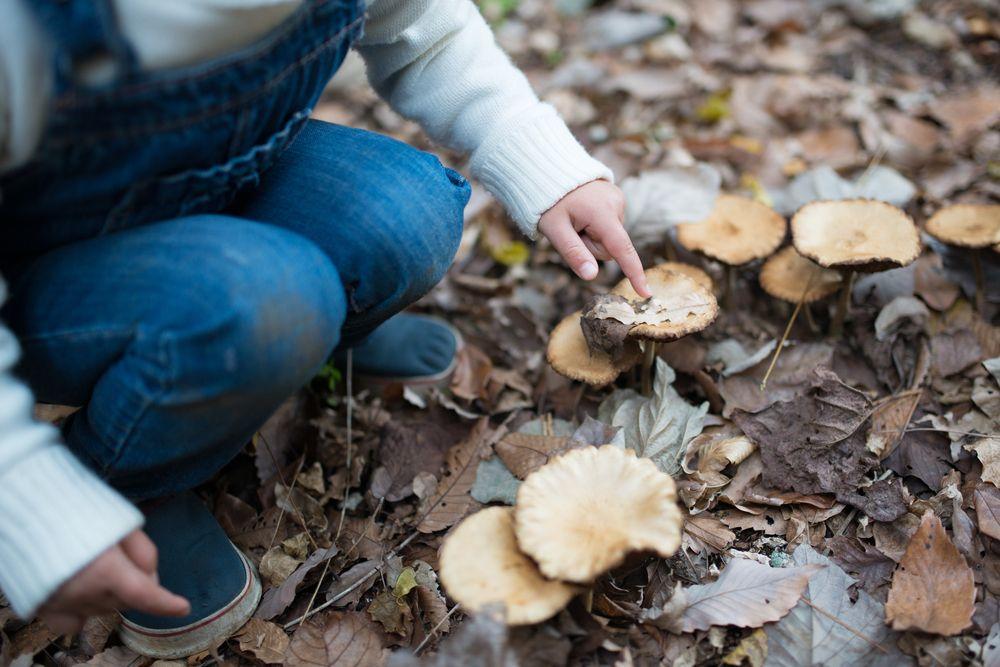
(588, 271)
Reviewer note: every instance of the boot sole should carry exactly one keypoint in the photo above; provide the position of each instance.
(202, 634)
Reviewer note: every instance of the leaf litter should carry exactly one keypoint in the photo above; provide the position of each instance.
(822, 488)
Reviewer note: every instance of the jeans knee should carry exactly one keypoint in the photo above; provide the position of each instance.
(272, 316)
(432, 222)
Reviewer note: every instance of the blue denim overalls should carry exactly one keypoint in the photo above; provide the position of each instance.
(158, 145)
(187, 247)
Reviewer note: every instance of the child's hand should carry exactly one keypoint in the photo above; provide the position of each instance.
(587, 225)
(123, 577)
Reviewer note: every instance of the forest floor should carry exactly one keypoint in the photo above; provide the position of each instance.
(884, 541)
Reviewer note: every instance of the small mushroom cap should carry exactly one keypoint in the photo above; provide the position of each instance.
(581, 514)
(789, 276)
(692, 301)
(481, 565)
(739, 230)
(569, 355)
(967, 225)
(690, 270)
(855, 234)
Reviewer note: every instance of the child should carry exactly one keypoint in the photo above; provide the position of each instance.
(184, 248)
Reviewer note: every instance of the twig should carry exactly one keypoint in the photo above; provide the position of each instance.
(847, 627)
(430, 634)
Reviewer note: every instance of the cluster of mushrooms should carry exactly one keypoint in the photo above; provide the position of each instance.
(832, 241)
(575, 518)
(585, 511)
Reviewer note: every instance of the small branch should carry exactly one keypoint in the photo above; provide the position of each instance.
(430, 634)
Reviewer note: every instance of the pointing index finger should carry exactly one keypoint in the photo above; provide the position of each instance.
(619, 245)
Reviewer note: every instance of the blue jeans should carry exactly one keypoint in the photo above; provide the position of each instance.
(180, 337)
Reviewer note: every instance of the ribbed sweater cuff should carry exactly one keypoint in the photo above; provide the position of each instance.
(55, 517)
(532, 165)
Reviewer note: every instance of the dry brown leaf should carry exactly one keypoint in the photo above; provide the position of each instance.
(889, 421)
(933, 589)
(968, 113)
(987, 501)
(708, 530)
(263, 640)
(988, 451)
(116, 656)
(452, 500)
(345, 639)
(747, 594)
(276, 600)
(522, 453)
(472, 373)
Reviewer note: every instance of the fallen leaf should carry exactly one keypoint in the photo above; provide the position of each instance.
(933, 589)
(815, 443)
(277, 600)
(828, 627)
(710, 531)
(407, 448)
(452, 500)
(657, 427)
(991, 647)
(872, 568)
(350, 577)
(345, 639)
(263, 640)
(969, 112)
(495, 483)
(747, 595)
(522, 453)
(988, 451)
(392, 613)
(987, 501)
(276, 566)
(889, 421)
(953, 352)
(472, 373)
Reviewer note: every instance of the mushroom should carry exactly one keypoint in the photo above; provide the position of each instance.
(582, 513)
(973, 226)
(789, 276)
(676, 291)
(569, 355)
(481, 565)
(854, 235)
(739, 230)
(680, 305)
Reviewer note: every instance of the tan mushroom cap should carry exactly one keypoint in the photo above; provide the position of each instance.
(789, 276)
(569, 354)
(581, 514)
(967, 225)
(692, 301)
(690, 270)
(739, 230)
(481, 565)
(855, 234)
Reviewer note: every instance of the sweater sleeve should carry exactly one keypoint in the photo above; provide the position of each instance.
(436, 62)
(55, 515)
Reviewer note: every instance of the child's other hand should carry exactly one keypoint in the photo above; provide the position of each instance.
(588, 225)
(123, 577)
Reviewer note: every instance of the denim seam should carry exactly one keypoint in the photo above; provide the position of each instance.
(231, 103)
(148, 401)
(76, 334)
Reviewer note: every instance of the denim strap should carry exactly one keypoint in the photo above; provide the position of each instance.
(82, 30)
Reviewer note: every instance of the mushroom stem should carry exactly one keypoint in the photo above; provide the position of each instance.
(588, 600)
(810, 320)
(977, 268)
(669, 249)
(843, 303)
(651, 348)
(729, 291)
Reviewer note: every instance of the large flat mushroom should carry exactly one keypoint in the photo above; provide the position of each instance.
(481, 566)
(569, 354)
(854, 235)
(972, 226)
(581, 514)
(738, 231)
(789, 276)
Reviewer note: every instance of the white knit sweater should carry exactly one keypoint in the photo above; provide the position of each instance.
(434, 61)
